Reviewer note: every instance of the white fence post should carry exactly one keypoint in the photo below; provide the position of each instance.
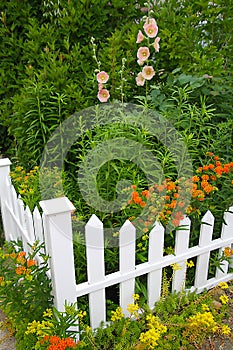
(59, 246)
(95, 269)
(4, 176)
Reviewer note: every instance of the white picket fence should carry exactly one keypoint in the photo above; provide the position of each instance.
(54, 227)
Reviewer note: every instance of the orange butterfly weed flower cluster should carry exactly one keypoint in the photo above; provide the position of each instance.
(23, 263)
(208, 176)
(56, 343)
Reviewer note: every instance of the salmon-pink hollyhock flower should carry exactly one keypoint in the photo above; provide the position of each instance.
(140, 37)
(148, 72)
(151, 28)
(156, 44)
(140, 63)
(143, 53)
(102, 77)
(140, 80)
(103, 95)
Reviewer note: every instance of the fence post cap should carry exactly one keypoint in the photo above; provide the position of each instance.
(5, 162)
(56, 206)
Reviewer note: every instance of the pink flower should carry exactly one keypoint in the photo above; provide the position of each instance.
(156, 44)
(140, 37)
(150, 27)
(140, 63)
(140, 80)
(143, 53)
(103, 95)
(100, 86)
(148, 72)
(102, 77)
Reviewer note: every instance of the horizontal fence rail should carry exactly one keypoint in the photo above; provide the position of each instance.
(54, 228)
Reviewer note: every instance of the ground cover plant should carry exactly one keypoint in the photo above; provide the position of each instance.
(179, 320)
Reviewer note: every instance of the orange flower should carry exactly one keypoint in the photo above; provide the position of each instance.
(145, 193)
(160, 188)
(211, 166)
(31, 262)
(219, 170)
(195, 178)
(216, 158)
(205, 167)
(205, 177)
(171, 186)
(20, 270)
(228, 252)
(214, 178)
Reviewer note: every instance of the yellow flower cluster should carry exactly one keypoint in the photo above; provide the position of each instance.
(155, 330)
(39, 328)
(133, 309)
(48, 313)
(204, 321)
(117, 315)
(81, 314)
(224, 299)
(223, 285)
(225, 329)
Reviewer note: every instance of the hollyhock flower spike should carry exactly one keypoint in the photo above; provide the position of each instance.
(148, 72)
(143, 53)
(140, 37)
(151, 28)
(103, 95)
(140, 80)
(102, 77)
(156, 44)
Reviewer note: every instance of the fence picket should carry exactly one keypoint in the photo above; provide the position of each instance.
(155, 253)
(181, 246)
(95, 269)
(38, 227)
(227, 228)
(205, 239)
(127, 239)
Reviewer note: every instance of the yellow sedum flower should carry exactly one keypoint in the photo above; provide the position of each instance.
(81, 314)
(224, 299)
(205, 307)
(133, 308)
(203, 321)
(156, 329)
(117, 315)
(225, 329)
(223, 285)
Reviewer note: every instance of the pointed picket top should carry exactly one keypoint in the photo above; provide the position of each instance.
(227, 225)
(185, 222)
(94, 233)
(127, 234)
(94, 221)
(156, 243)
(208, 218)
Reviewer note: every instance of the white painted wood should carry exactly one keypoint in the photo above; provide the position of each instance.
(95, 269)
(205, 239)
(38, 226)
(29, 226)
(227, 232)
(127, 239)
(155, 254)
(181, 246)
(59, 241)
